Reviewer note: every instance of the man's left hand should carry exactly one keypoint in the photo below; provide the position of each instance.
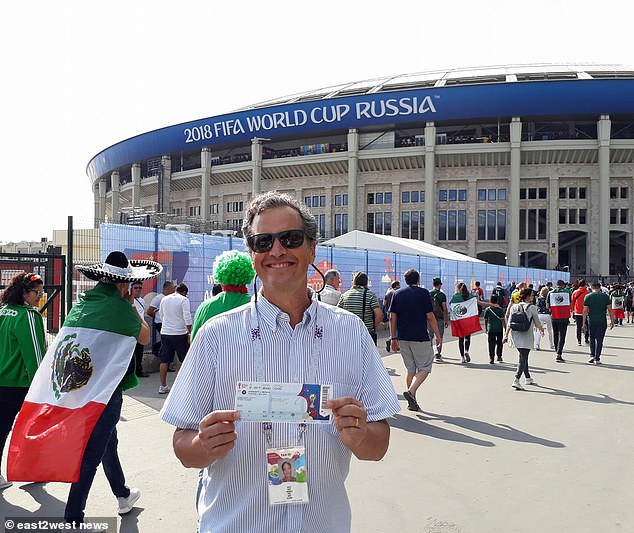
(350, 419)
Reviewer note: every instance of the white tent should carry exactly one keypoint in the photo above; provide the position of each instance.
(362, 240)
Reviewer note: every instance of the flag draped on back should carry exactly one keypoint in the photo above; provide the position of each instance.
(560, 305)
(464, 317)
(71, 388)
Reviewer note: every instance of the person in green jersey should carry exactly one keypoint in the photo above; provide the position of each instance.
(595, 306)
(495, 324)
(441, 313)
(234, 271)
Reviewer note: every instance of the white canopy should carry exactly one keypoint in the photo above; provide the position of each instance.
(362, 240)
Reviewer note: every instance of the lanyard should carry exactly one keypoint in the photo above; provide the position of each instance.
(258, 356)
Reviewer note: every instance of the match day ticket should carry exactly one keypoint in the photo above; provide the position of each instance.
(260, 401)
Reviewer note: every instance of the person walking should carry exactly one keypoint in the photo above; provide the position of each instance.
(330, 295)
(577, 308)
(495, 324)
(441, 315)
(411, 315)
(22, 348)
(559, 305)
(617, 296)
(363, 302)
(523, 340)
(629, 302)
(595, 306)
(154, 313)
(462, 295)
(139, 303)
(387, 301)
(544, 317)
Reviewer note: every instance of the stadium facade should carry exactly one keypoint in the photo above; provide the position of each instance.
(529, 165)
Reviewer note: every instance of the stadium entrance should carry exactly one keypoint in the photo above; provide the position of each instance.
(573, 252)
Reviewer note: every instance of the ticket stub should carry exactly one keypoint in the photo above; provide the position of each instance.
(259, 401)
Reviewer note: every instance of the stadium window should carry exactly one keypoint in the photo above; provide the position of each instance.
(572, 216)
(405, 225)
(315, 201)
(387, 223)
(582, 216)
(624, 217)
(522, 194)
(542, 222)
(562, 216)
(623, 192)
(306, 201)
(462, 224)
(337, 200)
(491, 195)
(462, 195)
(322, 201)
(501, 224)
(320, 220)
(405, 197)
(531, 230)
(378, 223)
(491, 224)
(341, 225)
(370, 199)
(422, 196)
(582, 193)
(572, 193)
(542, 193)
(442, 196)
(370, 223)
(482, 195)
(532, 193)
(614, 192)
(502, 194)
(451, 225)
(562, 193)
(345, 202)
(378, 198)
(613, 215)
(442, 225)
(453, 195)
(414, 226)
(213, 209)
(414, 196)
(482, 227)
(387, 198)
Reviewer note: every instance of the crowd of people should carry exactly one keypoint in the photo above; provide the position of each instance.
(285, 334)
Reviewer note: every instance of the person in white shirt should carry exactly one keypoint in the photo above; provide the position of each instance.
(176, 326)
(153, 311)
(330, 295)
(139, 303)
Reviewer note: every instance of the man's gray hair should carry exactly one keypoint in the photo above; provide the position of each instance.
(274, 200)
(331, 274)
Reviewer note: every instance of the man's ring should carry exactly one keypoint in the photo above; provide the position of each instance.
(356, 424)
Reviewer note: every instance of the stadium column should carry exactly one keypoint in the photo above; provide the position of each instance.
(553, 228)
(353, 171)
(205, 163)
(95, 191)
(513, 218)
(430, 183)
(256, 160)
(116, 199)
(102, 201)
(166, 175)
(136, 185)
(603, 130)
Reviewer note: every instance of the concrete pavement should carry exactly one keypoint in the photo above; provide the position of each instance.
(480, 457)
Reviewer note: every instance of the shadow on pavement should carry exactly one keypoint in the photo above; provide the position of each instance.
(501, 431)
(602, 398)
(412, 425)
(130, 521)
(49, 505)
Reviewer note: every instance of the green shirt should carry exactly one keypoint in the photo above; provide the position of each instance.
(494, 317)
(440, 297)
(597, 303)
(22, 344)
(352, 300)
(220, 303)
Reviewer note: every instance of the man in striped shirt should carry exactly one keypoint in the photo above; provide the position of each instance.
(296, 340)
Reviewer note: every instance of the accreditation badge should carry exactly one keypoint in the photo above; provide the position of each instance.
(286, 475)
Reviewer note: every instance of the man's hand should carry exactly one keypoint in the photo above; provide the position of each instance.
(349, 417)
(394, 345)
(214, 439)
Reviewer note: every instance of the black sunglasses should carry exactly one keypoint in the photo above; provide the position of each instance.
(263, 242)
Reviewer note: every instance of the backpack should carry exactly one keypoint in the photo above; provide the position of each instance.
(520, 320)
(437, 307)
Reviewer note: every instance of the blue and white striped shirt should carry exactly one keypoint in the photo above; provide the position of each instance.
(235, 491)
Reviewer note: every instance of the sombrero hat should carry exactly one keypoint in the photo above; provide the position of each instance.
(118, 269)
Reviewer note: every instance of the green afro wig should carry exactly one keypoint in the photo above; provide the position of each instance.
(233, 268)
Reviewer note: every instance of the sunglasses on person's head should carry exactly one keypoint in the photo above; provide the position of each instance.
(263, 242)
(30, 278)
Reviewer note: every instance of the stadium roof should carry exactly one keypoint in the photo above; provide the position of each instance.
(460, 76)
(361, 240)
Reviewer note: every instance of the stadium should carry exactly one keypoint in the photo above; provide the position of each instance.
(527, 165)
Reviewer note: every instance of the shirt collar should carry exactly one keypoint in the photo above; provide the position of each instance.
(272, 316)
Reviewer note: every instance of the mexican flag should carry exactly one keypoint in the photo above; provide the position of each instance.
(71, 388)
(617, 306)
(464, 317)
(559, 304)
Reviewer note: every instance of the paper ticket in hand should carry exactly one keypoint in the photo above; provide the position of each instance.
(260, 401)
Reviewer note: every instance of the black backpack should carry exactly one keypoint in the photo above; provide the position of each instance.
(520, 320)
(437, 306)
